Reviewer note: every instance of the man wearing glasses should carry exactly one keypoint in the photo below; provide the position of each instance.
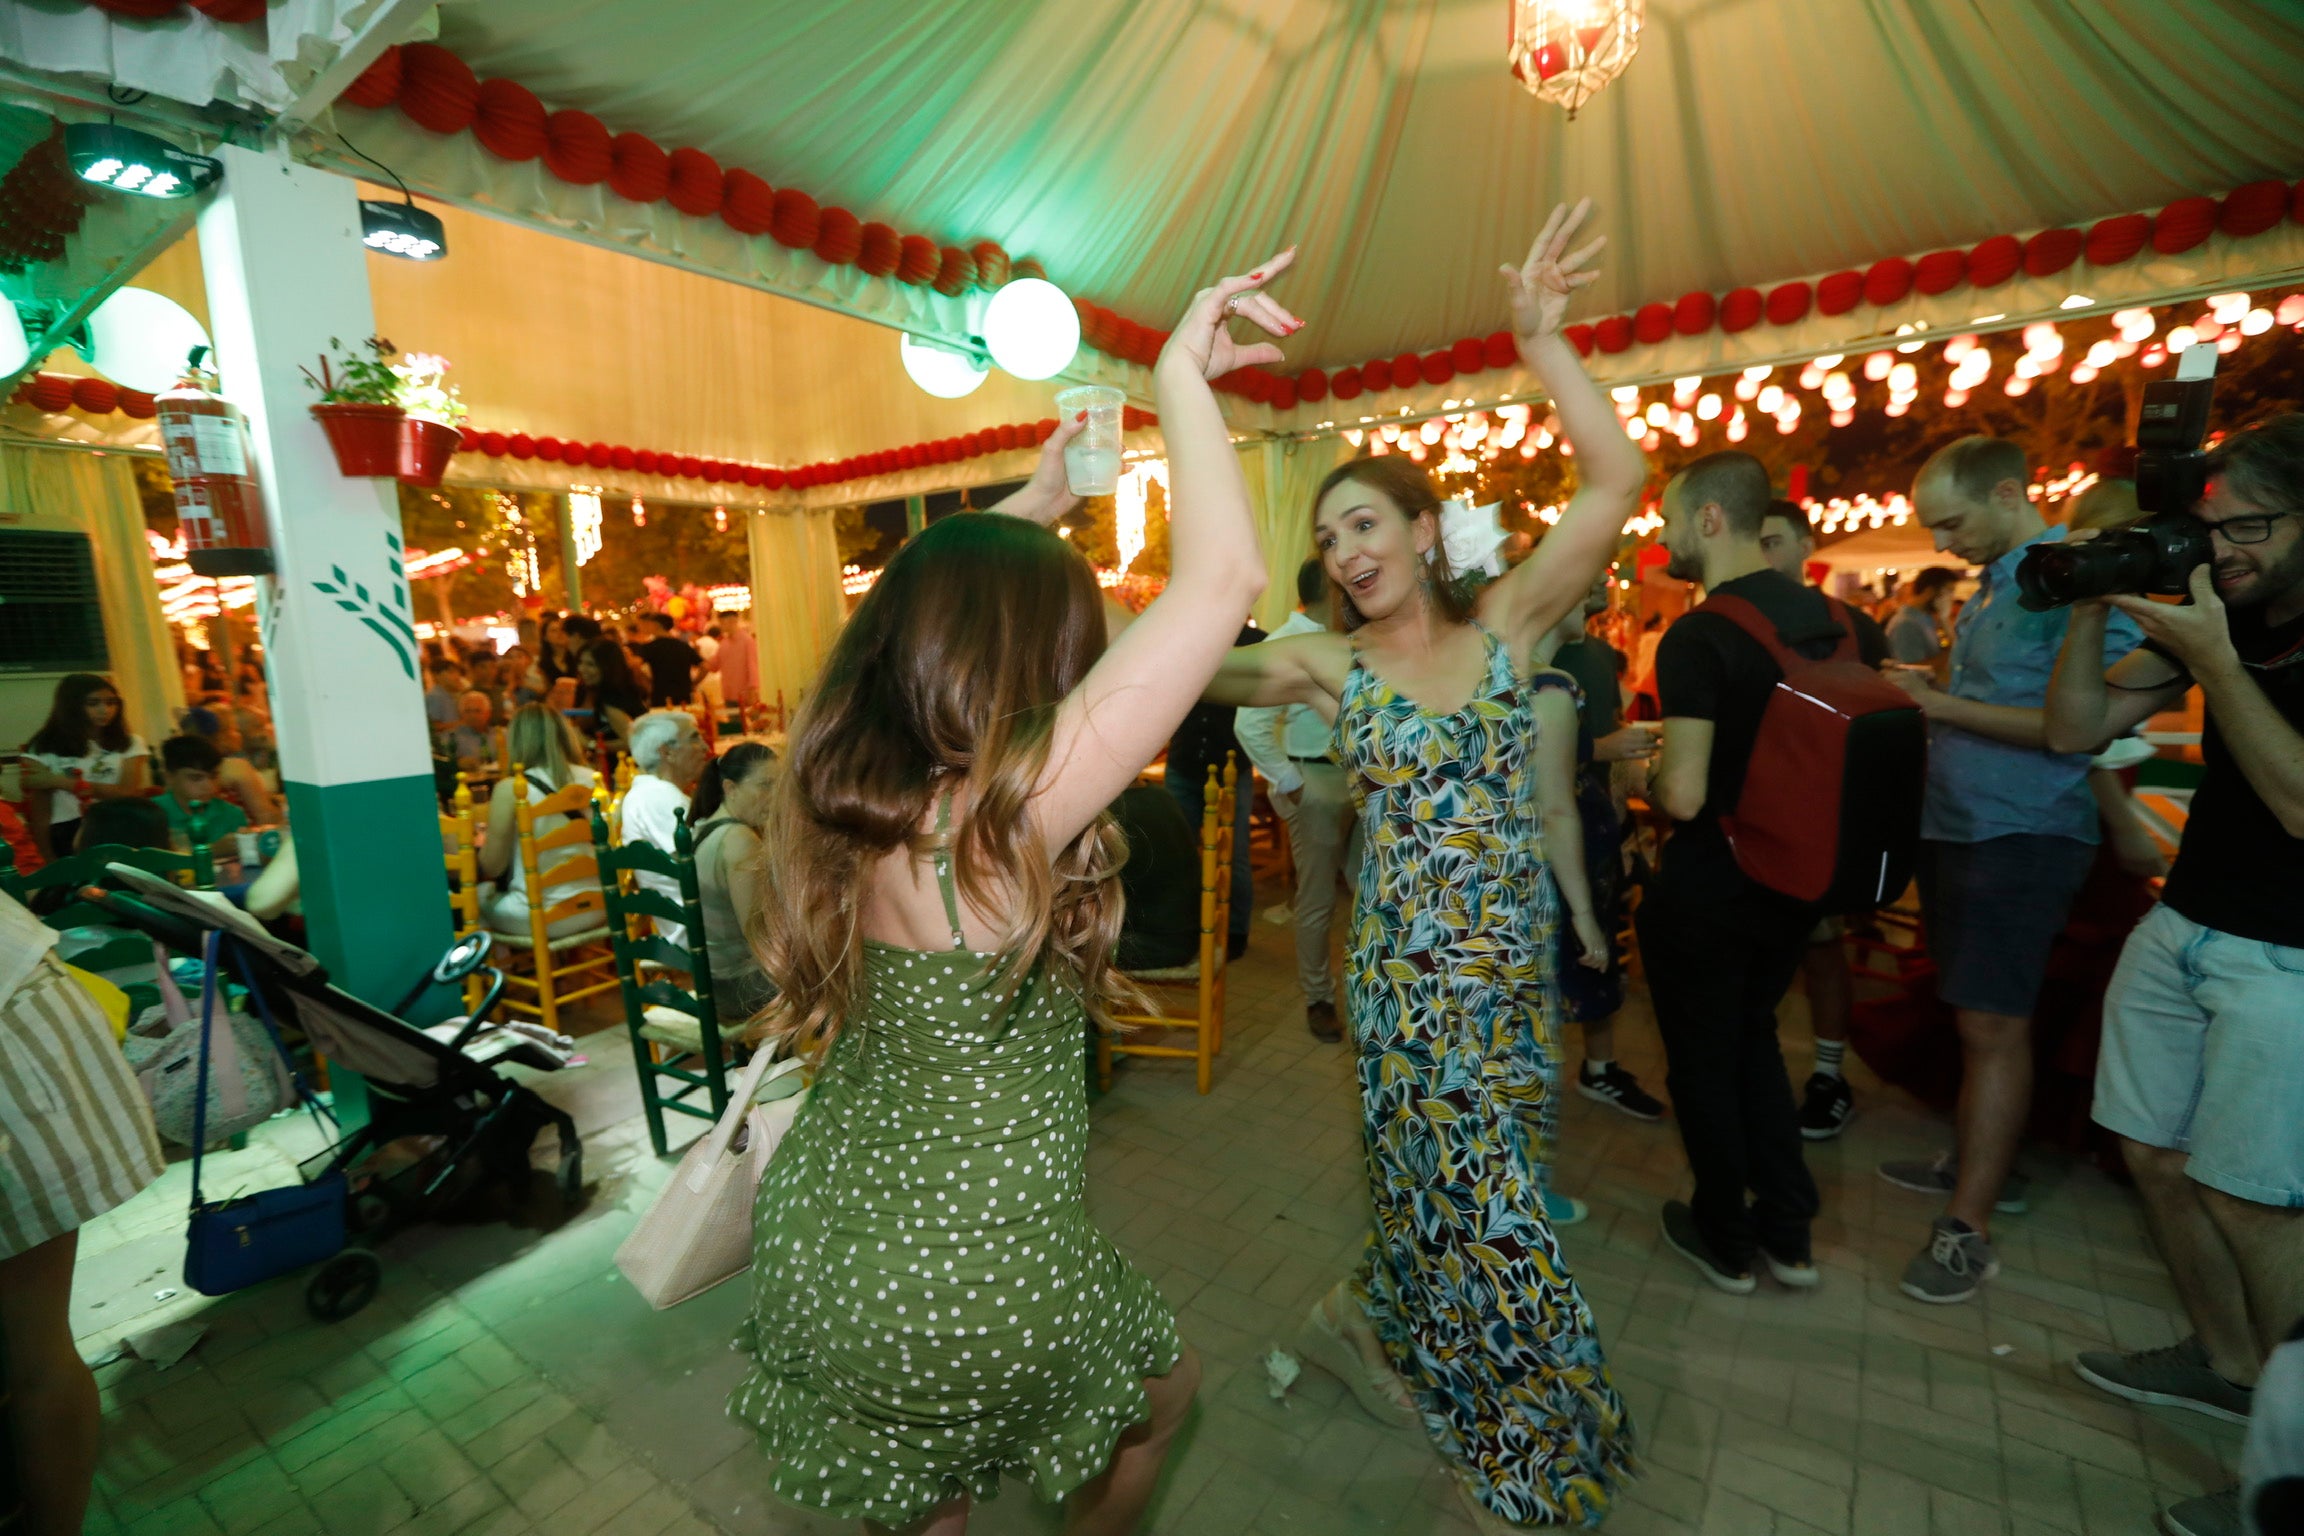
(2202, 1071)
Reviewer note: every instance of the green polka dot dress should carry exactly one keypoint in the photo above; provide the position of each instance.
(931, 1305)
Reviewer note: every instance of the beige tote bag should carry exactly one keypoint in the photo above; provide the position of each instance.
(699, 1231)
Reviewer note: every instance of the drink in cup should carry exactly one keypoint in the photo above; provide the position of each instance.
(1092, 459)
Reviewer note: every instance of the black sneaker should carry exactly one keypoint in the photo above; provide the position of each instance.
(1321, 1019)
(1681, 1236)
(1827, 1107)
(1616, 1087)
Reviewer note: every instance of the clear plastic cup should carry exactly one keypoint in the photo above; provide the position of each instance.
(1092, 459)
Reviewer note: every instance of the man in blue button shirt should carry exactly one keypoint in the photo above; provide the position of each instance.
(2008, 832)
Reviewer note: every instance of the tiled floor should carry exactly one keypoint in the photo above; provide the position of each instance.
(508, 1380)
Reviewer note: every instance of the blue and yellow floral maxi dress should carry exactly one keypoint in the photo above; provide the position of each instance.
(1451, 933)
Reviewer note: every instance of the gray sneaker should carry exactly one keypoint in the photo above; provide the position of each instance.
(1941, 1176)
(2176, 1377)
(1956, 1261)
(2212, 1514)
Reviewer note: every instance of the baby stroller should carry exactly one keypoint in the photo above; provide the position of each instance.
(436, 1090)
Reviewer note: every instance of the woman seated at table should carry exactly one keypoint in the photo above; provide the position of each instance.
(730, 806)
(551, 758)
(608, 696)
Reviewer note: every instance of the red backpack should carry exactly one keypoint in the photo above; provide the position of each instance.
(1830, 808)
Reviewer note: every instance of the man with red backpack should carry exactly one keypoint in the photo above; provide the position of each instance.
(1795, 773)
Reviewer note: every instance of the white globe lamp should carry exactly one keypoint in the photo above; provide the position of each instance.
(1032, 328)
(15, 347)
(141, 339)
(944, 372)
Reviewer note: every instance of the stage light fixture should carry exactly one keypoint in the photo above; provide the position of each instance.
(402, 229)
(133, 161)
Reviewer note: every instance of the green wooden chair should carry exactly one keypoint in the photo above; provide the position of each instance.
(122, 950)
(676, 1040)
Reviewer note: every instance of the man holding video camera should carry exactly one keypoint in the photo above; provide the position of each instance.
(2202, 1072)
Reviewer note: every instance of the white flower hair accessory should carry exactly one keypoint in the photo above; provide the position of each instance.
(1472, 538)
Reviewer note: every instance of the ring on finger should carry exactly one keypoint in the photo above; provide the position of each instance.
(1232, 305)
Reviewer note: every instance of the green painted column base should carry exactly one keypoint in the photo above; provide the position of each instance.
(375, 899)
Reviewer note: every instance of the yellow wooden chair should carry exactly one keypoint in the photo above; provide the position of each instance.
(460, 853)
(1201, 979)
(578, 964)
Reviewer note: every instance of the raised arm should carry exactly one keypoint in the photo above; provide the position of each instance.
(1610, 470)
(1297, 669)
(1133, 699)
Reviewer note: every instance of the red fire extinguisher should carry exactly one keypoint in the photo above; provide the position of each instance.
(219, 506)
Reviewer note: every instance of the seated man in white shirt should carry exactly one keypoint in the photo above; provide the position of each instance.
(1290, 747)
(669, 752)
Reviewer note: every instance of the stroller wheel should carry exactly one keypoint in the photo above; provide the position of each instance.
(373, 1211)
(344, 1285)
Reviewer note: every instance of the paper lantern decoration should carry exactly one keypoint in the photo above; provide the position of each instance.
(991, 264)
(1436, 368)
(1564, 51)
(695, 184)
(437, 89)
(1887, 281)
(878, 250)
(1613, 334)
(1940, 272)
(1740, 310)
(1994, 261)
(1376, 373)
(839, 237)
(1839, 293)
(1468, 355)
(2112, 241)
(747, 204)
(1498, 350)
(1692, 315)
(577, 148)
(640, 171)
(955, 271)
(2183, 224)
(1312, 385)
(796, 220)
(2050, 252)
(1788, 303)
(918, 261)
(1345, 384)
(95, 396)
(2253, 209)
(1652, 323)
(509, 121)
(1406, 369)
(379, 83)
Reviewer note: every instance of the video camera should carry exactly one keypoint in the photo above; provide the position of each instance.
(2160, 553)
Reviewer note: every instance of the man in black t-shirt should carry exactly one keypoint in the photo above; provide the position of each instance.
(1788, 538)
(2202, 1069)
(1720, 950)
(672, 665)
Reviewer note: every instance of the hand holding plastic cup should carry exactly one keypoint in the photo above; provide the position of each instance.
(1092, 459)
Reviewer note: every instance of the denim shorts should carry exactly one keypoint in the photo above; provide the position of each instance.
(1993, 910)
(2204, 1053)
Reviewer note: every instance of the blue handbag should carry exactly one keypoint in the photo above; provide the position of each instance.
(235, 1243)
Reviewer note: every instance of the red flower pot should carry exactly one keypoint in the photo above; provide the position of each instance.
(366, 438)
(425, 448)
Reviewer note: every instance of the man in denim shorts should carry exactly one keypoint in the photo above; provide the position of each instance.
(2202, 1070)
(2008, 832)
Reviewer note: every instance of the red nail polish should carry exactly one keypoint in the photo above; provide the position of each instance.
(1083, 416)
(1255, 277)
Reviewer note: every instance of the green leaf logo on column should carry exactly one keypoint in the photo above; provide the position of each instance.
(388, 621)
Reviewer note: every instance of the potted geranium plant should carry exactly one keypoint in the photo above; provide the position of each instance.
(359, 407)
(429, 433)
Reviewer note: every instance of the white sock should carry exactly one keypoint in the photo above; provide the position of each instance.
(1828, 1054)
(1595, 1066)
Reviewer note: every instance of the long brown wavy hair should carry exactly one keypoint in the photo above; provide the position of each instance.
(1403, 483)
(946, 679)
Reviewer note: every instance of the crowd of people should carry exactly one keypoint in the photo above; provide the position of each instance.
(924, 899)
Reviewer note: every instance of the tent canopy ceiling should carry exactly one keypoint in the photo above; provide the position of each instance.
(1138, 147)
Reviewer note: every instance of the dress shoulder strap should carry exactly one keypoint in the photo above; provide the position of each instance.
(943, 858)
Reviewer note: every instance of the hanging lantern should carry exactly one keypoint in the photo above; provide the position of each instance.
(1566, 51)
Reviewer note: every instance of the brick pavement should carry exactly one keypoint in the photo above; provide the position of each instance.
(507, 1381)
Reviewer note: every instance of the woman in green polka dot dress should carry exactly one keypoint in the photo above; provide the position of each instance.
(932, 1307)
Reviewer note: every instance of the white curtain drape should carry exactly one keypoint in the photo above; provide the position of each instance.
(186, 55)
(96, 495)
(797, 606)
